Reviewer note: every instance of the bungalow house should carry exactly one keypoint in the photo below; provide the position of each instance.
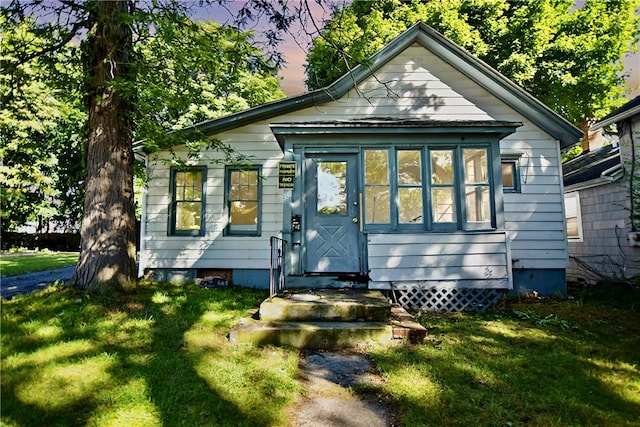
(603, 240)
(426, 173)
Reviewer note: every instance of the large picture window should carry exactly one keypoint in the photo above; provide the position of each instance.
(457, 195)
(243, 201)
(187, 201)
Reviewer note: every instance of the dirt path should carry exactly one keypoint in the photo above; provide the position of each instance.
(329, 399)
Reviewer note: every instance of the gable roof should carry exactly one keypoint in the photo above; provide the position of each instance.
(472, 67)
(629, 109)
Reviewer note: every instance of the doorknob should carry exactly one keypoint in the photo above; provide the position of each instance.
(354, 220)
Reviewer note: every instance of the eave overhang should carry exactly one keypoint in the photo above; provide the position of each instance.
(381, 126)
(629, 109)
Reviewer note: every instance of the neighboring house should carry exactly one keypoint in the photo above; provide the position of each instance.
(434, 177)
(603, 243)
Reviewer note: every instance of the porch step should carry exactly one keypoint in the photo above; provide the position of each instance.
(327, 318)
(345, 305)
(312, 335)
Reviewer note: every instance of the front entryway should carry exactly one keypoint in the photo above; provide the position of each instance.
(332, 234)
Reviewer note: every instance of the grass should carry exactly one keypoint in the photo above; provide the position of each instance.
(156, 358)
(532, 363)
(161, 357)
(14, 264)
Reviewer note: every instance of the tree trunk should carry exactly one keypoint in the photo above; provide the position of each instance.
(107, 244)
(590, 139)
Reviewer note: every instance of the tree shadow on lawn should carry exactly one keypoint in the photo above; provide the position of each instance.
(159, 357)
(506, 370)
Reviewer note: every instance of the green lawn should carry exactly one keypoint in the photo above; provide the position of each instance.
(13, 264)
(160, 357)
(533, 363)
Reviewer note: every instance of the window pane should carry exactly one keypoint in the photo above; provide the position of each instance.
(243, 202)
(409, 167)
(442, 167)
(410, 209)
(377, 202)
(244, 185)
(572, 227)
(332, 188)
(376, 167)
(475, 166)
(444, 209)
(188, 185)
(244, 215)
(188, 216)
(478, 209)
(508, 175)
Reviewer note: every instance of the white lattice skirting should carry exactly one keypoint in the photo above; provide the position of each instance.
(446, 299)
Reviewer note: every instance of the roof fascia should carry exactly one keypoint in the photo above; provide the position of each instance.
(332, 92)
(609, 120)
(284, 130)
(607, 177)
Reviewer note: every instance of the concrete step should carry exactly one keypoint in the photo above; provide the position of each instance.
(327, 335)
(345, 305)
(311, 335)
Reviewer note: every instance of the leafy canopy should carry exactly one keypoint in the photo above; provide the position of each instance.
(568, 58)
(41, 129)
(185, 72)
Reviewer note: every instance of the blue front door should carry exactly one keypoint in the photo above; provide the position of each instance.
(332, 234)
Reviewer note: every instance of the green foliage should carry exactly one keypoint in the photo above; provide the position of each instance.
(41, 126)
(572, 153)
(184, 72)
(188, 72)
(568, 58)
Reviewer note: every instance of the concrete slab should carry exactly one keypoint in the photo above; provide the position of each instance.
(327, 319)
(328, 305)
(312, 335)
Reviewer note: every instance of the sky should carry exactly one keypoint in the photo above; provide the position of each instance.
(295, 45)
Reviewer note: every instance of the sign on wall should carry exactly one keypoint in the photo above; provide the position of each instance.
(286, 174)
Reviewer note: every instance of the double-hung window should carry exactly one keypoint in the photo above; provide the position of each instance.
(187, 201)
(457, 195)
(243, 201)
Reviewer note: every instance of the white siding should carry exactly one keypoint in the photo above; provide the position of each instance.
(213, 250)
(465, 260)
(419, 85)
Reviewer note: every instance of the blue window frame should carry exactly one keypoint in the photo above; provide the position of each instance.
(243, 201)
(510, 174)
(431, 188)
(186, 212)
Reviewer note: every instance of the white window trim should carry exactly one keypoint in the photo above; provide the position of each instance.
(575, 195)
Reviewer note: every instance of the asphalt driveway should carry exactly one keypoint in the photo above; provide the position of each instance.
(26, 283)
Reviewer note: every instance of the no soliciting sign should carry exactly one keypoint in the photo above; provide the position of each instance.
(286, 174)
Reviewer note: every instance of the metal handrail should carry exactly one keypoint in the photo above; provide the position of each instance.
(276, 269)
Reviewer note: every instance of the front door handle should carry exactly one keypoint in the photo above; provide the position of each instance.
(354, 220)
